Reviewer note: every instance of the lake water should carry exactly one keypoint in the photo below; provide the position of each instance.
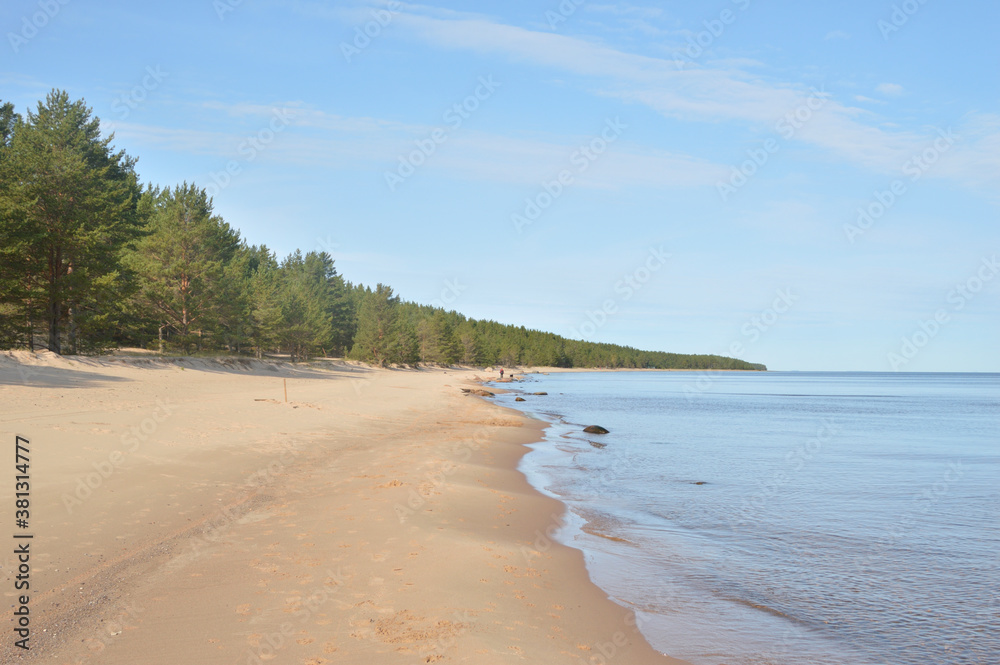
(782, 517)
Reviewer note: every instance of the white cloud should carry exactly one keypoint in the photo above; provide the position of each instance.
(316, 138)
(623, 9)
(705, 92)
(889, 89)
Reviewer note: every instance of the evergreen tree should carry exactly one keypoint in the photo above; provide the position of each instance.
(78, 239)
(182, 262)
(264, 317)
(70, 211)
(315, 306)
(438, 342)
(16, 244)
(384, 336)
(468, 342)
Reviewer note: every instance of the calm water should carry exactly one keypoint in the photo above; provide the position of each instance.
(785, 518)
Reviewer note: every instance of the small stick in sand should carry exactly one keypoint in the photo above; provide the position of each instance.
(285, 381)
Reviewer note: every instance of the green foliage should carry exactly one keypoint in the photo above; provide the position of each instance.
(182, 261)
(68, 212)
(16, 242)
(88, 259)
(264, 316)
(385, 333)
(438, 341)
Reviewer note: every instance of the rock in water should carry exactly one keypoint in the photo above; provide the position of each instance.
(539, 393)
(595, 429)
(519, 399)
(598, 445)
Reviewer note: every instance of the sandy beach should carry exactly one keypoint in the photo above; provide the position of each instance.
(184, 512)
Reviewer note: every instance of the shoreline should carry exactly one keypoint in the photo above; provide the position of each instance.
(377, 516)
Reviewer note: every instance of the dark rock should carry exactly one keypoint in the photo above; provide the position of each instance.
(519, 399)
(598, 445)
(539, 393)
(700, 482)
(477, 391)
(595, 429)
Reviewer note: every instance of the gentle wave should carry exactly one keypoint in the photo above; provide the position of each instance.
(747, 525)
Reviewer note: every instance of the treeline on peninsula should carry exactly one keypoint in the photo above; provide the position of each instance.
(91, 260)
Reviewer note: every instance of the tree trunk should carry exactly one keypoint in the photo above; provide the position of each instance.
(71, 331)
(29, 326)
(71, 323)
(53, 315)
(54, 312)
(161, 338)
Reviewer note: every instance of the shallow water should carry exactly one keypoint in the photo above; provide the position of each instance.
(783, 517)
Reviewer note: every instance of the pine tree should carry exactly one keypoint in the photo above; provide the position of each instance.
(16, 245)
(182, 262)
(438, 342)
(384, 335)
(264, 316)
(70, 211)
(468, 340)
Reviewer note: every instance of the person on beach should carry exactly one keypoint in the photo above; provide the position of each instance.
(501, 372)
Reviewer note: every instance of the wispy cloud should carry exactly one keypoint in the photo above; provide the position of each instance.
(316, 138)
(697, 93)
(889, 89)
(624, 9)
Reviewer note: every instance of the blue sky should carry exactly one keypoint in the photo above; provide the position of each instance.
(713, 155)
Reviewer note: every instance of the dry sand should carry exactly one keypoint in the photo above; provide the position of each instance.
(183, 512)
